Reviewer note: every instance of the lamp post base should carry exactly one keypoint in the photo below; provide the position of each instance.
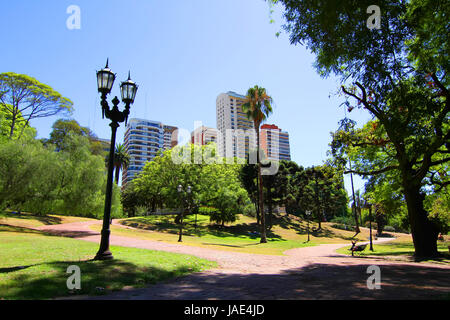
(107, 255)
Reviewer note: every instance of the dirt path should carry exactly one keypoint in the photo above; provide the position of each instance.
(302, 273)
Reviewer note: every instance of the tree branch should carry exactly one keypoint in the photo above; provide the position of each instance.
(371, 173)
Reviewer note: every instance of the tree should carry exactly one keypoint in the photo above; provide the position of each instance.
(130, 199)
(25, 99)
(258, 107)
(121, 160)
(214, 185)
(66, 127)
(399, 80)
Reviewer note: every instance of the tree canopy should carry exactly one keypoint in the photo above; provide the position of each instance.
(25, 98)
(399, 74)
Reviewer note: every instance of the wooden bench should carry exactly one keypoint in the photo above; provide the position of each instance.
(356, 248)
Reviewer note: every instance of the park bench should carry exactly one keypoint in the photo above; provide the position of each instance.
(356, 248)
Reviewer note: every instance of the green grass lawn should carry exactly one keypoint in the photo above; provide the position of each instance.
(240, 236)
(33, 265)
(401, 249)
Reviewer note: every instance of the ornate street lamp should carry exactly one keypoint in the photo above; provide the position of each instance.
(128, 89)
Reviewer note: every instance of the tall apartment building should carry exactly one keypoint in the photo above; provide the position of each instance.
(143, 140)
(236, 134)
(275, 142)
(203, 135)
(170, 137)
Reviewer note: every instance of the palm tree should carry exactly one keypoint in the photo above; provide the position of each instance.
(258, 106)
(121, 160)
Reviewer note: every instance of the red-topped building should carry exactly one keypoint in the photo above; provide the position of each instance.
(275, 142)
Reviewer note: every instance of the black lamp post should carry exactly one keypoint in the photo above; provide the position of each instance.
(180, 190)
(369, 205)
(308, 213)
(105, 81)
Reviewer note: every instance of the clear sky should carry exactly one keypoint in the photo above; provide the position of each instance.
(182, 54)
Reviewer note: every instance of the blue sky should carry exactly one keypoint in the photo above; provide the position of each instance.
(182, 53)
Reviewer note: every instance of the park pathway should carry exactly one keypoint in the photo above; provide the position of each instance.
(303, 273)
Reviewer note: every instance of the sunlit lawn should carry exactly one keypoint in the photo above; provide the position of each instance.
(33, 265)
(240, 236)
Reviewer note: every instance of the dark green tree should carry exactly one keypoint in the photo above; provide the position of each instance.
(400, 75)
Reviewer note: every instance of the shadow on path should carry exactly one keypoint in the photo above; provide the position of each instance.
(315, 281)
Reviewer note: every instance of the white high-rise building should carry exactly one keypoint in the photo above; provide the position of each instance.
(143, 141)
(236, 133)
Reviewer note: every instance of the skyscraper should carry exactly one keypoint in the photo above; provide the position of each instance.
(275, 142)
(236, 134)
(143, 140)
(203, 135)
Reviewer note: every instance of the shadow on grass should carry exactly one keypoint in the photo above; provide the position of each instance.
(8, 228)
(97, 278)
(294, 224)
(46, 220)
(55, 233)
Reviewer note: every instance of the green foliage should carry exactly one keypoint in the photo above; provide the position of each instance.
(440, 213)
(37, 179)
(63, 128)
(21, 126)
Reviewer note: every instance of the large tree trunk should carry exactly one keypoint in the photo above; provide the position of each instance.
(424, 232)
(380, 220)
(357, 230)
(13, 122)
(270, 204)
(258, 212)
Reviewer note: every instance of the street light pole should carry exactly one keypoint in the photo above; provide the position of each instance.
(182, 199)
(370, 226)
(308, 213)
(105, 81)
